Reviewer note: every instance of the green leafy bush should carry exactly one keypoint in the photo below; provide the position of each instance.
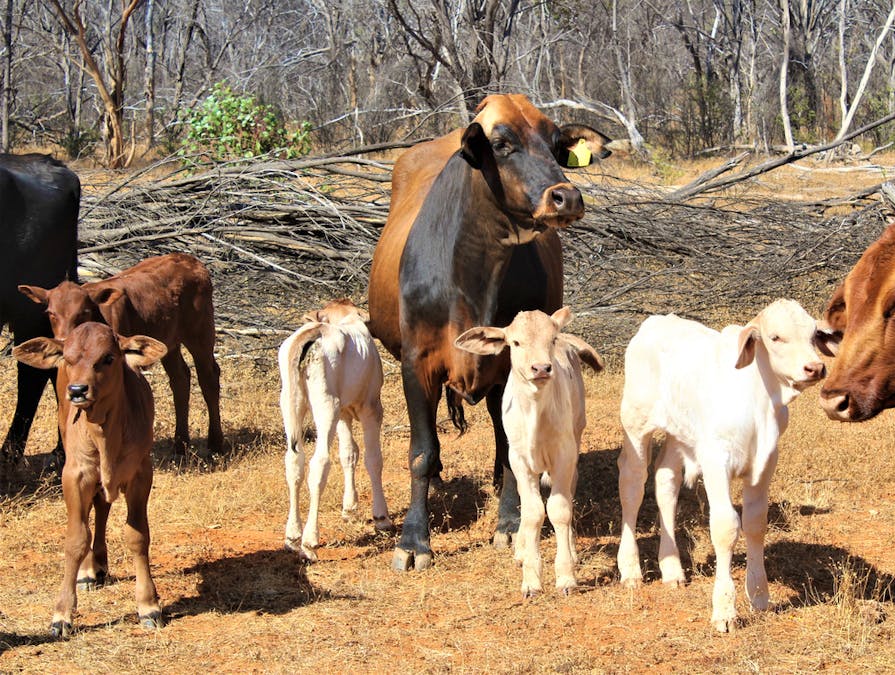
(227, 126)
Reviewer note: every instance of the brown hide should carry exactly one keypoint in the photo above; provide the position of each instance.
(168, 298)
(106, 429)
(861, 381)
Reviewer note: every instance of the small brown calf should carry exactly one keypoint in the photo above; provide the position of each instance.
(106, 414)
(168, 298)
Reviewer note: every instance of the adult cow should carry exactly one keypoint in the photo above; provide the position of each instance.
(861, 382)
(470, 240)
(39, 200)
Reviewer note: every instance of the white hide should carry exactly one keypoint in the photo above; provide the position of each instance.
(721, 399)
(544, 417)
(338, 380)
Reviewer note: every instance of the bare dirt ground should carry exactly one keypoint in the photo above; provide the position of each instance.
(237, 602)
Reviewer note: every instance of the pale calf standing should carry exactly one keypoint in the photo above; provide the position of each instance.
(105, 418)
(721, 399)
(330, 365)
(543, 415)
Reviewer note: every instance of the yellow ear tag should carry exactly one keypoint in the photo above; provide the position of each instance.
(579, 155)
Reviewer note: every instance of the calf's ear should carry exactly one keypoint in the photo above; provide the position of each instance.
(585, 352)
(826, 339)
(484, 340)
(746, 345)
(34, 293)
(40, 352)
(104, 296)
(141, 351)
(561, 317)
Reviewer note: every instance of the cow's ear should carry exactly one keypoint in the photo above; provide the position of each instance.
(141, 351)
(315, 316)
(585, 352)
(826, 339)
(105, 295)
(39, 352)
(484, 340)
(579, 145)
(835, 313)
(35, 293)
(749, 335)
(561, 317)
(363, 315)
(474, 146)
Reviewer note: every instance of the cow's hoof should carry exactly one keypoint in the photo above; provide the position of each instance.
(402, 560)
(725, 625)
(422, 561)
(152, 620)
(308, 554)
(530, 593)
(631, 582)
(383, 524)
(501, 540)
(293, 545)
(61, 629)
(92, 583)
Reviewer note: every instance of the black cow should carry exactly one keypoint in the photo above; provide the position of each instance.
(39, 200)
(470, 240)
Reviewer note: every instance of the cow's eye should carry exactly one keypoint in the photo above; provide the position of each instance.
(515, 343)
(108, 359)
(501, 147)
(776, 338)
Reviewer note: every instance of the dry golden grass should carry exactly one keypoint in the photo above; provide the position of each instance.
(236, 602)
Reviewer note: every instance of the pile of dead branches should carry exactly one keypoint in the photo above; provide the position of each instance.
(282, 236)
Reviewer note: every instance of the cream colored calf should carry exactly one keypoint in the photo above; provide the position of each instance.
(543, 415)
(721, 399)
(330, 366)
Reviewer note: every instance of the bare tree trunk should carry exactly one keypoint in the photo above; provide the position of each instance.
(784, 67)
(843, 70)
(6, 91)
(149, 77)
(181, 61)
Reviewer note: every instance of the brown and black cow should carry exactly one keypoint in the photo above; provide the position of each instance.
(861, 381)
(470, 240)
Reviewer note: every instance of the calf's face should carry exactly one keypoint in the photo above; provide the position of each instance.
(93, 359)
(533, 338)
(790, 337)
(70, 304)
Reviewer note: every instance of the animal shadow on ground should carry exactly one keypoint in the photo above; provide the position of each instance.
(12, 640)
(196, 459)
(455, 504)
(267, 582)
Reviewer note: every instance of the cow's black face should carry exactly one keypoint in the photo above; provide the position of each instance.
(518, 151)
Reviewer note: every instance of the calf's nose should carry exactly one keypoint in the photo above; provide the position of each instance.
(815, 370)
(541, 370)
(77, 390)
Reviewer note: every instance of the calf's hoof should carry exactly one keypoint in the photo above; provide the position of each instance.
(724, 625)
(403, 560)
(152, 620)
(91, 583)
(502, 540)
(631, 582)
(61, 629)
(383, 524)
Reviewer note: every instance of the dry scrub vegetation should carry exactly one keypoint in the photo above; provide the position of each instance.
(237, 602)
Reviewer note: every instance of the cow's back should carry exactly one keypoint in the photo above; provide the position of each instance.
(39, 200)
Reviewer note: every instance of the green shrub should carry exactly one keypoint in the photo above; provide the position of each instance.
(227, 126)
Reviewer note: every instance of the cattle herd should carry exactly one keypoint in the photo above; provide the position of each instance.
(466, 292)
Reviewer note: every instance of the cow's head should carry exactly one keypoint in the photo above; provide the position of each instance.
(861, 383)
(533, 339)
(339, 311)
(521, 154)
(69, 304)
(790, 337)
(93, 359)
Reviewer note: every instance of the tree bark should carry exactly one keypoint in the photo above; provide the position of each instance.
(149, 77)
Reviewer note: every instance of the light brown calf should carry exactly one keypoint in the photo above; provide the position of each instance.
(105, 415)
(168, 298)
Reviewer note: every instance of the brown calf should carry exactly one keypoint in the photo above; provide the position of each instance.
(168, 298)
(105, 415)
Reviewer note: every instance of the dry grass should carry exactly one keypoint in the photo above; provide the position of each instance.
(238, 603)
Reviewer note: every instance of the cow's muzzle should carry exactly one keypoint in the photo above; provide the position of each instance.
(561, 204)
(78, 394)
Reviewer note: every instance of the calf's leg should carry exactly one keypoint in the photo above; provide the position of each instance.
(77, 543)
(208, 372)
(559, 510)
(669, 476)
(348, 456)
(632, 466)
(179, 379)
(724, 525)
(136, 536)
(529, 534)
(95, 566)
(755, 526)
(318, 471)
(371, 422)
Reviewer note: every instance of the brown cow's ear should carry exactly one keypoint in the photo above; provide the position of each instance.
(484, 340)
(34, 293)
(835, 314)
(104, 296)
(474, 146)
(580, 145)
(39, 352)
(826, 339)
(585, 352)
(746, 344)
(141, 351)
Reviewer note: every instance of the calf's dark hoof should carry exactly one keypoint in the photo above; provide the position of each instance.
(152, 621)
(61, 629)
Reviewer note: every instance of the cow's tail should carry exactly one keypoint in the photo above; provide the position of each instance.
(455, 410)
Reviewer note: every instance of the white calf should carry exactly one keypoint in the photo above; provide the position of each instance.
(721, 399)
(543, 415)
(331, 366)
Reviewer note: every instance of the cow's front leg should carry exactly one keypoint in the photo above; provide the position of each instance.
(95, 566)
(136, 536)
(77, 543)
(755, 526)
(422, 401)
(725, 526)
(559, 510)
(509, 503)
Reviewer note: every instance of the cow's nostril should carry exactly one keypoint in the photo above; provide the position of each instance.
(843, 404)
(559, 198)
(77, 389)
